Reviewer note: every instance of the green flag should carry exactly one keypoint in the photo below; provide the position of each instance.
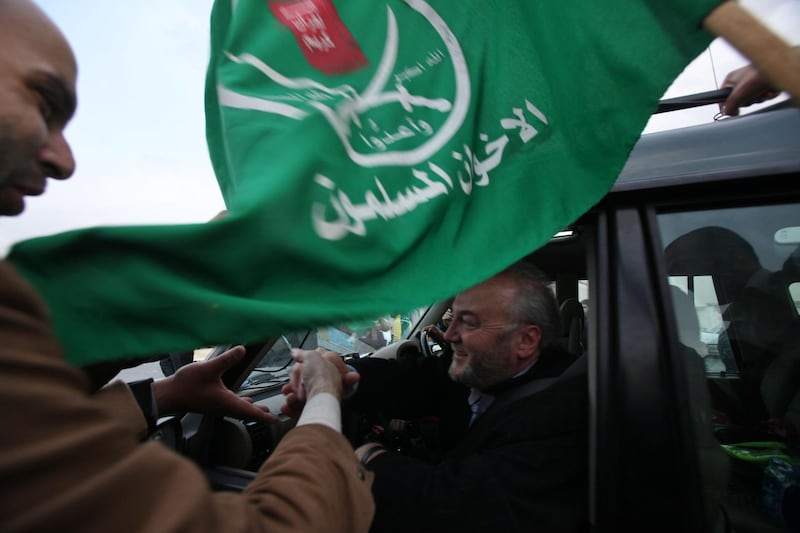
(374, 155)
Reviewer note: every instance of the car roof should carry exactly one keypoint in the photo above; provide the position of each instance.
(766, 142)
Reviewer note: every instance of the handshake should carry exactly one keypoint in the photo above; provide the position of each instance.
(315, 372)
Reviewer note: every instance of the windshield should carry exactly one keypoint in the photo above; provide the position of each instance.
(358, 337)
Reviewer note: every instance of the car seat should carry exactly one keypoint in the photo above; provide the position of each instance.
(780, 386)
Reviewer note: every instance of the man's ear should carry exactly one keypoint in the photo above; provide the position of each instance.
(529, 337)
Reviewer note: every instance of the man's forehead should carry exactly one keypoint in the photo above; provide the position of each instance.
(493, 293)
(30, 40)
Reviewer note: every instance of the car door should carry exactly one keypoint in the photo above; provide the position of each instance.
(644, 470)
(680, 440)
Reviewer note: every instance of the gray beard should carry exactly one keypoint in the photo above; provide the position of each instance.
(481, 381)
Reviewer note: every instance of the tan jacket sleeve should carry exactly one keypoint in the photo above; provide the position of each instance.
(72, 462)
(118, 400)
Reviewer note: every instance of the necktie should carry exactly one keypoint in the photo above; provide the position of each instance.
(478, 403)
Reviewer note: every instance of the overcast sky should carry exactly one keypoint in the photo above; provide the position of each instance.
(138, 135)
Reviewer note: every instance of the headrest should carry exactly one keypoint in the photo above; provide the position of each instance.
(570, 310)
(711, 250)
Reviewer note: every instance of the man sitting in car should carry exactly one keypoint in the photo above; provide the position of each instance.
(513, 413)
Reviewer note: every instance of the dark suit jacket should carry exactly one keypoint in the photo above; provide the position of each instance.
(522, 466)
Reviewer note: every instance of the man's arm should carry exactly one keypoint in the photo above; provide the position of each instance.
(401, 388)
(71, 462)
(749, 86)
(407, 388)
(198, 388)
(318, 433)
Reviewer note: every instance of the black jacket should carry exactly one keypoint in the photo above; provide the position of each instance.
(522, 466)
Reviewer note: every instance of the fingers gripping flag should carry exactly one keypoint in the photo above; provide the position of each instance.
(373, 155)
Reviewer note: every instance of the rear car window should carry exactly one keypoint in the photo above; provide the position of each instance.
(733, 276)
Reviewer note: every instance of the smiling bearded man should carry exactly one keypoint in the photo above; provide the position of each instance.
(509, 448)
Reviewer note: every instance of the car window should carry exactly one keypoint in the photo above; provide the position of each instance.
(272, 371)
(733, 278)
(366, 336)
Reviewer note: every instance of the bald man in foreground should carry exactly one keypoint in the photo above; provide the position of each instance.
(71, 462)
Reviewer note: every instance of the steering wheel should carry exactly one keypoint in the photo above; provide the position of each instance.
(431, 346)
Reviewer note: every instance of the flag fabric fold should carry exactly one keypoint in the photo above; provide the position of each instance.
(374, 156)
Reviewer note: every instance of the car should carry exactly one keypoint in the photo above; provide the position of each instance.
(691, 269)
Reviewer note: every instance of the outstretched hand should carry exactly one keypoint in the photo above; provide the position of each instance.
(314, 372)
(198, 387)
